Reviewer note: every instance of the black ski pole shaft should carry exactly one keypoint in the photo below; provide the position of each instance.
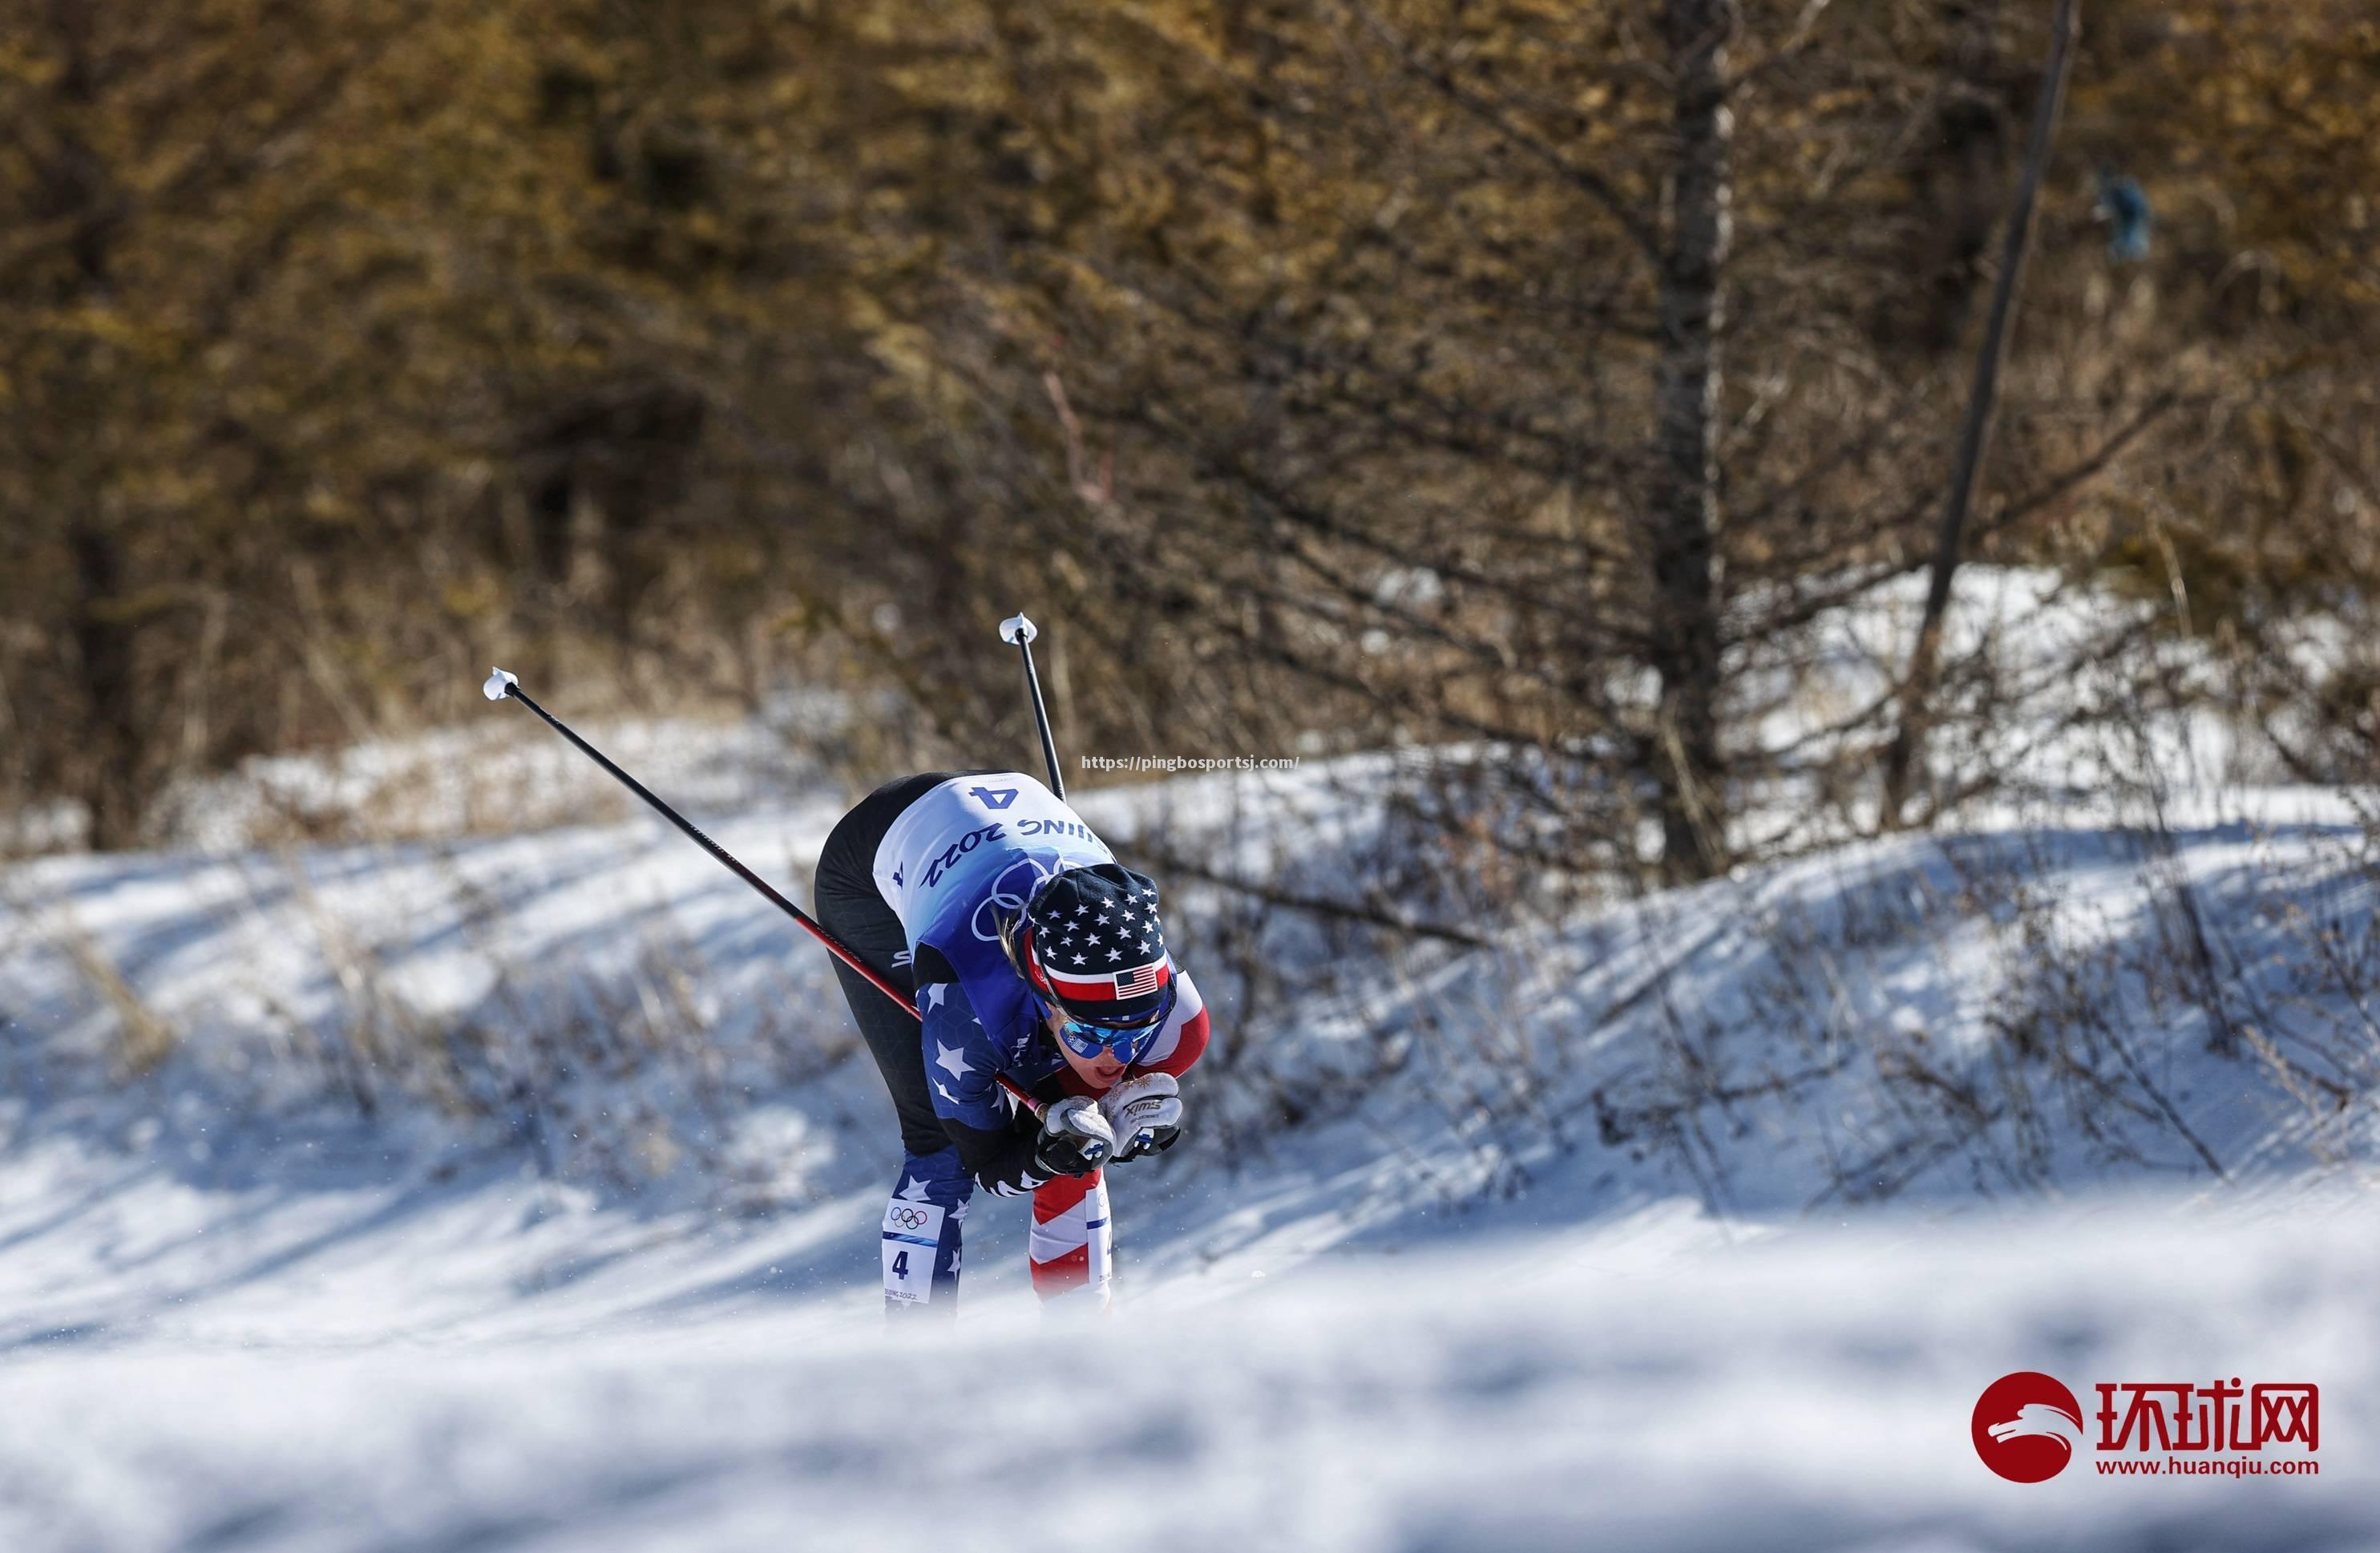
(501, 685)
(1021, 631)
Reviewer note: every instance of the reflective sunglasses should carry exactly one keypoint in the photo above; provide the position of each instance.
(1126, 1042)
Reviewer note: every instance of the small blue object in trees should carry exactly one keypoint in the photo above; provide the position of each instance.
(2126, 210)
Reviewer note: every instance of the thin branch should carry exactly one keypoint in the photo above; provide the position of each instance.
(1601, 190)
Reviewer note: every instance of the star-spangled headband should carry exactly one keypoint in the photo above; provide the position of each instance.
(1120, 1006)
(1110, 987)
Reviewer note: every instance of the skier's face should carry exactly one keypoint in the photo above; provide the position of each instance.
(1100, 1072)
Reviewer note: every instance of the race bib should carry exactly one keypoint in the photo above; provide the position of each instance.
(912, 1237)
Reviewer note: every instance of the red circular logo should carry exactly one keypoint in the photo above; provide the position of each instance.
(2027, 1426)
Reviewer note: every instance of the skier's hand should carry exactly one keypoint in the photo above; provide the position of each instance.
(1146, 1114)
(1075, 1138)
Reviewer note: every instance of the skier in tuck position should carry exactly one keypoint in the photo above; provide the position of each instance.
(1030, 954)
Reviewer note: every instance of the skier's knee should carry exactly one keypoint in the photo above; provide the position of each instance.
(921, 1233)
(1071, 1241)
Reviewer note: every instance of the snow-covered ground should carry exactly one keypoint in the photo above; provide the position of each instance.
(518, 1192)
(423, 1382)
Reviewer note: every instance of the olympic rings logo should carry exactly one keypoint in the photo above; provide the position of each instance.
(907, 1218)
(1003, 897)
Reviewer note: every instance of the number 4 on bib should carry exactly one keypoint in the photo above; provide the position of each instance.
(913, 1233)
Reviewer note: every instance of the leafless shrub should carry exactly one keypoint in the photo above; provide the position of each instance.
(143, 1038)
(622, 1081)
(2116, 1006)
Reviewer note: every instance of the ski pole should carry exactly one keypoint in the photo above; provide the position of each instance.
(501, 685)
(1021, 632)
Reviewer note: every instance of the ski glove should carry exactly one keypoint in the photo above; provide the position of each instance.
(1146, 1114)
(1075, 1138)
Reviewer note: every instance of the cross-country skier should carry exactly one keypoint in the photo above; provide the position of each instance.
(1030, 952)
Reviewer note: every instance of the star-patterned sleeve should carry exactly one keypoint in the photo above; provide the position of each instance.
(959, 1064)
(961, 1071)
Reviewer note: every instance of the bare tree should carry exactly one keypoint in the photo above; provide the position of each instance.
(1974, 440)
(1683, 512)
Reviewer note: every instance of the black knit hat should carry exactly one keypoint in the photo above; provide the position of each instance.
(1092, 945)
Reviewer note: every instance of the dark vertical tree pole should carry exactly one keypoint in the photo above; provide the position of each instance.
(1685, 513)
(117, 747)
(1905, 757)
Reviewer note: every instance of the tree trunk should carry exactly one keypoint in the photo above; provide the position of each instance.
(115, 755)
(117, 759)
(1905, 759)
(1685, 510)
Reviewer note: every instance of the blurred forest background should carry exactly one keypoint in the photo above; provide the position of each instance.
(1522, 375)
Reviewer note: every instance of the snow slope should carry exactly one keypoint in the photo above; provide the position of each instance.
(1639, 1385)
(519, 1193)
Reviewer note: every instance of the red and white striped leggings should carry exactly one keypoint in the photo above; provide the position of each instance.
(1072, 1245)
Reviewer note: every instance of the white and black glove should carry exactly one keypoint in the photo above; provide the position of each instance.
(1075, 1138)
(1145, 1114)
